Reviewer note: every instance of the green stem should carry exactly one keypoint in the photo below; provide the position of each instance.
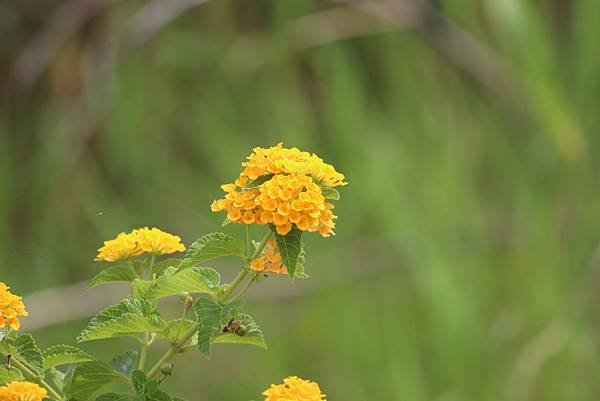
(172, 351)
(244, 272)
(143, 352)
(234, 284)
(243, 291)
(35, 378)
(262, 244)
(146, 336)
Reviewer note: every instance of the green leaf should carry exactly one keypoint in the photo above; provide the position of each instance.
(290, 246)
(127, 318)
(330, 193)
(259, 181)
(120, 272)
(63, 355)
(175, 328)
(159, 268)
(300, 273)
(139, 379)
(172, 282)
(212, 246)
(124, 363)
(140, 289)
(212, 317)
(253, 336)
(225, 222)
(118, 397)
(89, 377)
(24, 349)
(9, 373)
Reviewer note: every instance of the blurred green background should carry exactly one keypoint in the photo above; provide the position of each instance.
(465, 265)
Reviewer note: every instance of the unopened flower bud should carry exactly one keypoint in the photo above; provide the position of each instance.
(166, 369)
(189, 302)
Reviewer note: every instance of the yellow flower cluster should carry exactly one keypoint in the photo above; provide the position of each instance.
(292, 194)
(11, 307)
(269, 261)
(280, 160)
(22, 391)
(139, 241)
(294, 389)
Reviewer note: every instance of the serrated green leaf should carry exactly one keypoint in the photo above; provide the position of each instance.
(127, 318)
(211, 246)
(172, 282)
(175, 328)
(212, 317)
(290, 247)
(159, 268)
(9, 373)
(330, 193)
(124, 363)
(140, 289)
(300, 273)
(139, 379)
(63, 355)
(120, 272)
(118, 397)
(253, 336)
(89, 377)
(23, 348)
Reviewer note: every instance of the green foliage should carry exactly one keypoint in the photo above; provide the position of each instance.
(211, 246)
(290, 247)
(9, 373)
(252, 336)
(175, 328)
(127, 318)
(23, 348)
(173, 282)
(87, 378)
(148, 389)
(330, 193)
(212, 317)
(122, 271)
(125, 362)
(159, 267)
(58, 355)
(118, 397)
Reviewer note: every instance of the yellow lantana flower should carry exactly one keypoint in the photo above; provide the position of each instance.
(122, 247)
(139, 241)
(11, 307)
(270, 261)
(294, 389)
(22, 391)
(291, 193)
(157, 242)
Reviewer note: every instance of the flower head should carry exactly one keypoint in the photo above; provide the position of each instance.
(291, 193)
(270, 261)
(294, 389)
(155, 241)
(22, 391)
(11, 307)
(122, 247)
(139, 241)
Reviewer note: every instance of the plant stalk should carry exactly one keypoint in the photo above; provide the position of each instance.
(35, 378)
(173, 349)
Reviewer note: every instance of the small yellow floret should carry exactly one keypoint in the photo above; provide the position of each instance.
(22, 391)
(11, 307)
(294, 389)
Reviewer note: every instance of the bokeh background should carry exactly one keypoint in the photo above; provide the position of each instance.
(466, 263)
